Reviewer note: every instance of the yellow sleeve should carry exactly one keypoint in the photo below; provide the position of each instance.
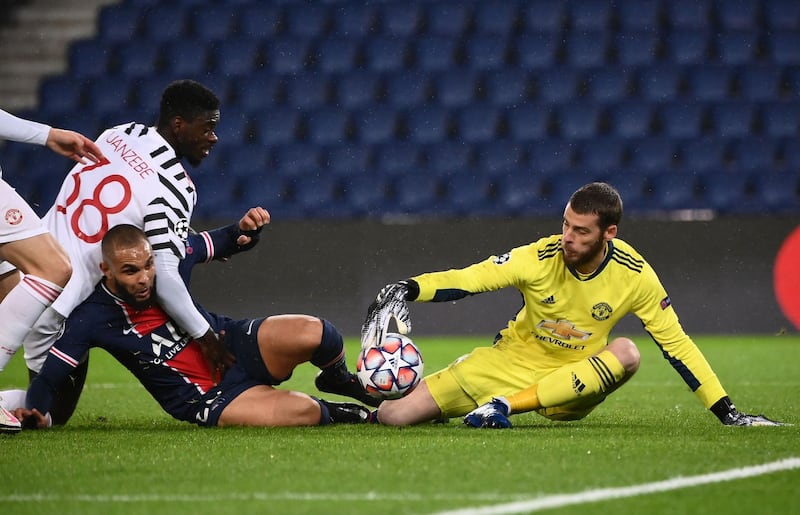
(491, 274)
(654, 309)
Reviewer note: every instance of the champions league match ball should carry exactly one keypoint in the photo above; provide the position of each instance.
(392, 369)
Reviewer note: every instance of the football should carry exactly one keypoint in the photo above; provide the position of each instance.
(392, 369)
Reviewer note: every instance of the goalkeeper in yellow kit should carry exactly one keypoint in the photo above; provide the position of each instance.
(554, 356)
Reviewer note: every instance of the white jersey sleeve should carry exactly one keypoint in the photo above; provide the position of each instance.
(26, 131)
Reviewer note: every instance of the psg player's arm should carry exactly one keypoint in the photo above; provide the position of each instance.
(65, 354)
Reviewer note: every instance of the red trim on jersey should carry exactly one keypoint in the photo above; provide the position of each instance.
(143, 321)
(209, 246)
(44, 291)
(191, 363)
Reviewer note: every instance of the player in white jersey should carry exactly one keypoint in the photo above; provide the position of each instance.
(141, 182)
(25, 242)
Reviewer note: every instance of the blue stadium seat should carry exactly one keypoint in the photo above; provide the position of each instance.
(790, 154)
(469, 195)
(259, 20)
(448, 157)
(89, 59)
(780, 119)
(633, 188)
(308, 90)
(356, 21)
(782, 14)
(709, 82)
(638, 14)
(357, 89)
(528, 121)
(185, 57)
(233, 126)
(376, 124)
(329, 125)
(681, 120)
(601, 154)
(270, 191)
(386, 53)
(104, 95)
(401, 18)
(486, 52)
(306, 19)
(778, 191)
(296, 159)
(236, 56)
(318, 195)
(276, 125)
(148, 92)
(726, 192)
(659, 83)
(496, 17)
(257, 90)
(687, 46)
(140, 59)
(560, 187)
(558, 85)
(688, 13)
(436, 53)
(59, 95)
(478, 123)
(737, 14)
(753, 154)
(590, 14)
(349, 159)
(428, 124)
(166, 23)
(737, 47)
(456, 88)
(392, 159)
(609, 84)
(522, 194)
(537, 50)
(587, 49)
(214, 22)
(448, 18)
(637, 48)
(543, 15)
(632, 119)
(337, 54)
(733, 119)
(119, 23)
(760, 82)
(650, 156)
(499, 157)
(366, 194)
(287, 55)
(239, 161)
(415, 194)
(408, 89)
(702, 155)
(507, 87)
(551, 156)
(783, 45)
(578, 120)
(671, 191)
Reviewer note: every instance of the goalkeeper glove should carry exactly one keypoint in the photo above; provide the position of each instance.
(727, 413)
(389, 304)
(494, 415)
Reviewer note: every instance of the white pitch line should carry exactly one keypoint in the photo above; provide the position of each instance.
(603, 494)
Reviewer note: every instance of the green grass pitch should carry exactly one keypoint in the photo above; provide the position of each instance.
(121, 454)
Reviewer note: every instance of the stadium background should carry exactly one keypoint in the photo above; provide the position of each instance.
(392, 137)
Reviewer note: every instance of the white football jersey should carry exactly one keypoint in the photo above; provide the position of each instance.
(141, 182)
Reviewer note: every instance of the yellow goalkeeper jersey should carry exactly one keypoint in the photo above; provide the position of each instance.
(567, 317)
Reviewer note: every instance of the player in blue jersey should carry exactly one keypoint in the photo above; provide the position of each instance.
(123, 317)
(554, 357)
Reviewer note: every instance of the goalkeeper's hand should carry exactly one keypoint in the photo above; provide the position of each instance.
(494, 415)
(389, 304)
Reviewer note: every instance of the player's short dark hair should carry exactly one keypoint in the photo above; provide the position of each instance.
(601, 199)
(187, 99)
(121, 236)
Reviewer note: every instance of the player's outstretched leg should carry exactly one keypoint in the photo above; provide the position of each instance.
(334, 377)
(343, 412)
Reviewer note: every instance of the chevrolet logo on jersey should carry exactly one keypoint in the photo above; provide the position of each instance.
(563, 329)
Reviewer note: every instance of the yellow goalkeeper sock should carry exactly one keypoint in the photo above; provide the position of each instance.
(591, 376)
